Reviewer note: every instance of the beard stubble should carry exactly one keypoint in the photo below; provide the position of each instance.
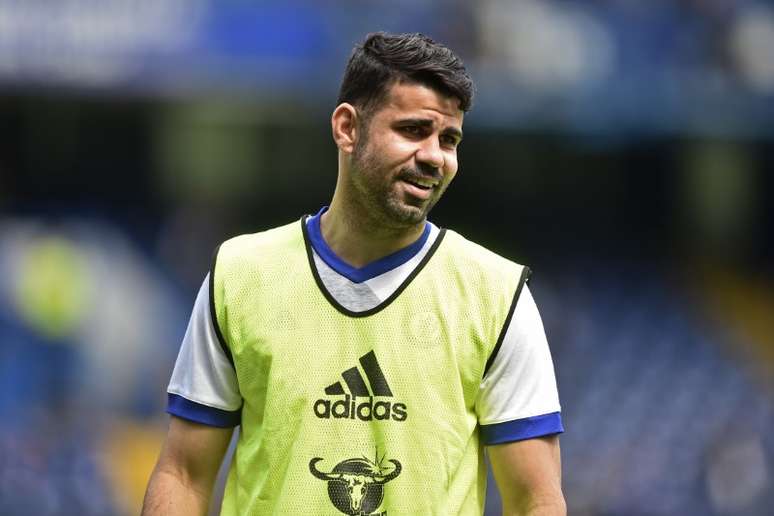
(376, 185)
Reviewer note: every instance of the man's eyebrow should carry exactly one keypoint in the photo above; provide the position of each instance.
(428, 122)
(421, 122)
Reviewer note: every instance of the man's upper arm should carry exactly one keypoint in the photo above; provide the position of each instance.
(205, 404)
(193, 452)
(518, 398)
(528, 475)
(204, 387)
(520, 416)
(181, 483)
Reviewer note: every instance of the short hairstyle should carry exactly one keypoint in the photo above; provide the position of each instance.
(384, 59)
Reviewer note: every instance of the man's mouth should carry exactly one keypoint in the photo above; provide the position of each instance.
(419, 188)
(422, 184)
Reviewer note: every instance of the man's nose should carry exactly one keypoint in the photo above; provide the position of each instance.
(430, 154)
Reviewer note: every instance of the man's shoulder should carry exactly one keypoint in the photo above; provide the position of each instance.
(492, 279)
(252, 245)
(463, 249)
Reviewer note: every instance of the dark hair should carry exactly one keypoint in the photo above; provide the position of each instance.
(384, 59)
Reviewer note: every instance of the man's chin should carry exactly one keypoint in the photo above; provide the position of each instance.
(406, 215)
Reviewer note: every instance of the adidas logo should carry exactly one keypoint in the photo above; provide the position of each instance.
(367, 410)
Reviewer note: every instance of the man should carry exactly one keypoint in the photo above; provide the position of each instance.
(367, 354)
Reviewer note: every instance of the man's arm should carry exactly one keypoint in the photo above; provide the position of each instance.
(182, 481)
(529, 476)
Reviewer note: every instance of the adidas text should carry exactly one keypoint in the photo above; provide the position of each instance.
(367, 410)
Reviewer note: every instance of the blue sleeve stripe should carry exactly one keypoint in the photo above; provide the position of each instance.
(198, 413)
(520, 429)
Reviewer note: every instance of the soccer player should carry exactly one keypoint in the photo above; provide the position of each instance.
(368, 355)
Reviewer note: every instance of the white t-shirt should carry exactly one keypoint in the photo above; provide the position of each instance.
(518, 397)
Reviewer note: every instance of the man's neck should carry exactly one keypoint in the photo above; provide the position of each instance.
(359, 241)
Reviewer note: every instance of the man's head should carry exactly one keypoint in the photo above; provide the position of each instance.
(397, 126)
(385, 59)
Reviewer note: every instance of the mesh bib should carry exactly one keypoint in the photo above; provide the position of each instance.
(358, 414)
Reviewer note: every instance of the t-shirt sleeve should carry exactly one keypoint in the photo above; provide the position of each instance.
(204, 385)
(518, 398)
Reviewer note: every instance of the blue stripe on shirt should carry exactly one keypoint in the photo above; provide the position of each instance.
(521, 429)
(373, 269)
(198, 413)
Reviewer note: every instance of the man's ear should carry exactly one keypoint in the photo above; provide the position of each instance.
(344, 124)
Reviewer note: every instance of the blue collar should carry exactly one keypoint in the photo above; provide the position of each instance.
(373, 269)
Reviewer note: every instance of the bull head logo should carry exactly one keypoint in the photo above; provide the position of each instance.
(356, 486)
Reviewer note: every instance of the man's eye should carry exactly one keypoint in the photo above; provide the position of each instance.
(412, 129)
(451, 141)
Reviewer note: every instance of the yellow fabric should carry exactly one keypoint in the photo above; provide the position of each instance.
(289, 343)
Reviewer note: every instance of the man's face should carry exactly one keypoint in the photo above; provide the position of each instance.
(407, 155)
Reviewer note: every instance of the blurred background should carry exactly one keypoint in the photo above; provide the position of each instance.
(623, 149)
